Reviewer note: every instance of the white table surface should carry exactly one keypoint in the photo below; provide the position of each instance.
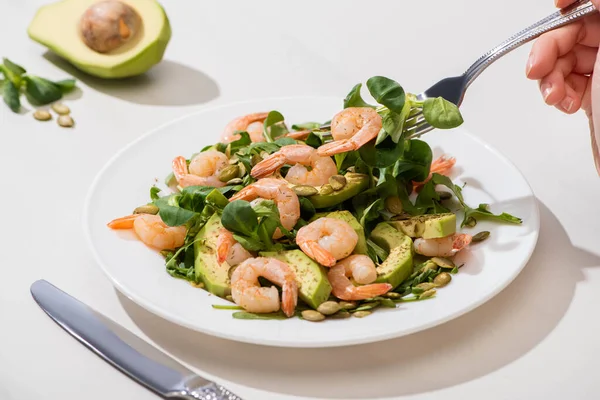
(537, 339)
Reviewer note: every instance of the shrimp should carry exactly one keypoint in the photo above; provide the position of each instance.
(278, 191)
(247, 292)
(302, 156)
(299, 135)
(442, 165)
(327, 240)
(443, 247)
(351, 129)
(230, 251)
(342, 287)
(361, 267)
(204, 169)
(151, 230)
(251, 123)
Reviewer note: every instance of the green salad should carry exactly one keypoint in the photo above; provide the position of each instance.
(319, 219)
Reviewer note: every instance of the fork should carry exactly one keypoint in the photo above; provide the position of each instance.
(453, 89)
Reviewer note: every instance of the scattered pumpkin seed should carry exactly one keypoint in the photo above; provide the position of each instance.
(42, 115)
(351, 169)
(393, 204)
(329, 308)
(443, 262)
(428, 265)
(264, 154)
(393, 295)
(470, 222)
(65, 121)
(385, 302)
(234, 160)
(312, 315)
(347, 305)
(361, 314)
(444, 195)
(340, 315)
(417, 291)
(229, 298)
(442, 279)
(326, 189)
(425, 286)
(427, 294)
(481, 236)
(367, 306)
(235, 181)
(242, 170)
(60, 109)
(255, 159)
(228, 173)
(305, 190)
(337, 182)
(146, 209)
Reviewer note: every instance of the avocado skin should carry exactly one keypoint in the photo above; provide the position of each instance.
(399, 264)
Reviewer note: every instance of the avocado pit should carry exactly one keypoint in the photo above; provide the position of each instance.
(107, 25)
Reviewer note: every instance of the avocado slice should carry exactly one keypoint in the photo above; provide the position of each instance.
(399, 264)
(214, 275)
(430, 226)
(361, 245)
(58, 27)
(313, 285)
(355, 183)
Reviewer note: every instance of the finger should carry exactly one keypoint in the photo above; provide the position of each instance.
(552, 85)
(571, 103)
(579, 83)
(549, 47)
(563, 3)
(585, 59)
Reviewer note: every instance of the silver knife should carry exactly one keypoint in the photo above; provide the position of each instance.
(127, 352)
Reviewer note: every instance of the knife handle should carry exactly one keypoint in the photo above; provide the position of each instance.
(212, 391)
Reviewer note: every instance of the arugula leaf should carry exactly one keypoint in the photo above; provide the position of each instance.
(240, 143)
(415, 162)
(10, 93)
(383, 155)
(273, 118)
(306, 126)
(314, 141)
(12, 67)
(354, 99)
(387, 92)
(239, 217)
(65, 85)
(41, 91)
(442, 114)
(407, 205)
(154, 191)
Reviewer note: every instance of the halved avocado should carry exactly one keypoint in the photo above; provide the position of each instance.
(214, 275)
(355, 183)
(313, 285)
(346, 216)
(399, 264)
(58, 27)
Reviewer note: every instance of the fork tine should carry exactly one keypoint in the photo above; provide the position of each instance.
(418, 130)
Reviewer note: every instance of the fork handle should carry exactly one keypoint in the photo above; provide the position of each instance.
(573, 13)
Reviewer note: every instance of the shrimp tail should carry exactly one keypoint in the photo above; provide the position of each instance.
(362, 292)
(123, 222)
(461, 241)
(320, 255)
(289, 297)
(441, 165)
(299, 135)
(268, 165)
(247, 193)
(337, 147)
(180, 168)
(224, 242)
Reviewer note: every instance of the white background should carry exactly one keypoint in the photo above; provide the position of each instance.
(537, 339)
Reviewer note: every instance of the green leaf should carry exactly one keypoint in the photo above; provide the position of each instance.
(371, 212)
(154, 191)
(354, 99)
(383, 155)
(170, 180)
(41, 91)
(240, 143)
(222, 307)
(339, 160)
(247, 315)
(483, 212)
(175, 216)
(387, 92)
(415, 162)
(239, 217)
(442, 114)
(381, 254)
(10, 93)
(13, 68)
(285, 141)
(306, 126)
(307, 209)
(65, 85)
(273, 118)
(314, 141)
(427, 196)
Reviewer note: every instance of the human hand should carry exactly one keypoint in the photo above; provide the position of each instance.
(565, 63)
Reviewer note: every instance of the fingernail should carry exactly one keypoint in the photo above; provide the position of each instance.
(546, 90)
(530, 62)
(567, 104)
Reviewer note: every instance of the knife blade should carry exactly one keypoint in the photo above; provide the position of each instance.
(124, 350)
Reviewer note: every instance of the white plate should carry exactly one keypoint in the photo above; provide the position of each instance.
(139, 272)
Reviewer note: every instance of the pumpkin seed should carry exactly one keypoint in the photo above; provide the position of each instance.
(393, 204)
(312, 315)
(481, 236)
(233, 160)
(255, 159)
(329, 308)
(228, 173)
(427, 294)
(242, 170)
(42, 115)
(229, 298)
(442, 279)
(425, 286)
(146, 209)
(470, 222)
(235, 181)
(340, 315)
(443, 262)
(305, 190)
(351, 169)
(325, 190)
(393, 295)
(337, 182)
(367, 306)
(65, 121)
(402, 216)
(60, 109)
(428, 265)
(347, 305)
(361, 314)
(444, 195)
